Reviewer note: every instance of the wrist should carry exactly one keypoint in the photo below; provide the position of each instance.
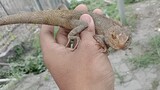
(86, 86)
(86, 83)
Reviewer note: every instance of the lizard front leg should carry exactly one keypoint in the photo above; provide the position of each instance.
(101, 40)
(78, 26)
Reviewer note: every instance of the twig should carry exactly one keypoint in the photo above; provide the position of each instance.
(4, 64)
(6, 80)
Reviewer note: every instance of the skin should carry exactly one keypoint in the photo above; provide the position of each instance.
(85, 68)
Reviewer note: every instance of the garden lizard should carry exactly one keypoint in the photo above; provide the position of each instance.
(109, 33)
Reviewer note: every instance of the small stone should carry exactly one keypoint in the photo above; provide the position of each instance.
(157, 29)
(137, 9)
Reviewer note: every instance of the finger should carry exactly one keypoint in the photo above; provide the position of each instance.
(46, 36)
(91, 28)
(46, 28)
(87, 41)
(98, 11)
(61, 37)
(81, 7)
(62, 33)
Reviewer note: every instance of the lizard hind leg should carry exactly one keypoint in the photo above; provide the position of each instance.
(79, 26)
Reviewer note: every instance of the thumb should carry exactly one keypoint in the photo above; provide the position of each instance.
(88, 43)
(91, 28)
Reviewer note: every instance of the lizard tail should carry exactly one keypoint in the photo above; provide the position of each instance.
(39, 17)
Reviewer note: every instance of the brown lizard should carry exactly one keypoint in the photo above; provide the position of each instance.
(109, 33)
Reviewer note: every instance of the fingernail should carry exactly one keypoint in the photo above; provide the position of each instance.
(86, 18)
(98, 11)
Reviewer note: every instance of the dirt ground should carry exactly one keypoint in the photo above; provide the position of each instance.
(147, 25)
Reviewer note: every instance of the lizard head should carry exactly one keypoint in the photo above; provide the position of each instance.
(118, 37)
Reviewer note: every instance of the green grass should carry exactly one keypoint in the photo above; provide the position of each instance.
(131, 18)
(111, 10)
(155, 84)
(150, 57)
(120, 77)
(26, 58)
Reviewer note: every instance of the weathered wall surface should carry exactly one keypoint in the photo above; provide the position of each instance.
(15, 6)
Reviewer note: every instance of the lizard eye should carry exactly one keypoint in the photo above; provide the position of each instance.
(113, 36)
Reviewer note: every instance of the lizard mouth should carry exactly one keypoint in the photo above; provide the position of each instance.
(126, 45)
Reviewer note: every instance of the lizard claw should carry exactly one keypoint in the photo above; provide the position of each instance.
(102, 48)
(101, 43)
(73, 44)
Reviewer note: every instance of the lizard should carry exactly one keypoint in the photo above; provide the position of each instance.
(109, 33)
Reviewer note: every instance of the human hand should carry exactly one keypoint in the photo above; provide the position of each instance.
(85, 68)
